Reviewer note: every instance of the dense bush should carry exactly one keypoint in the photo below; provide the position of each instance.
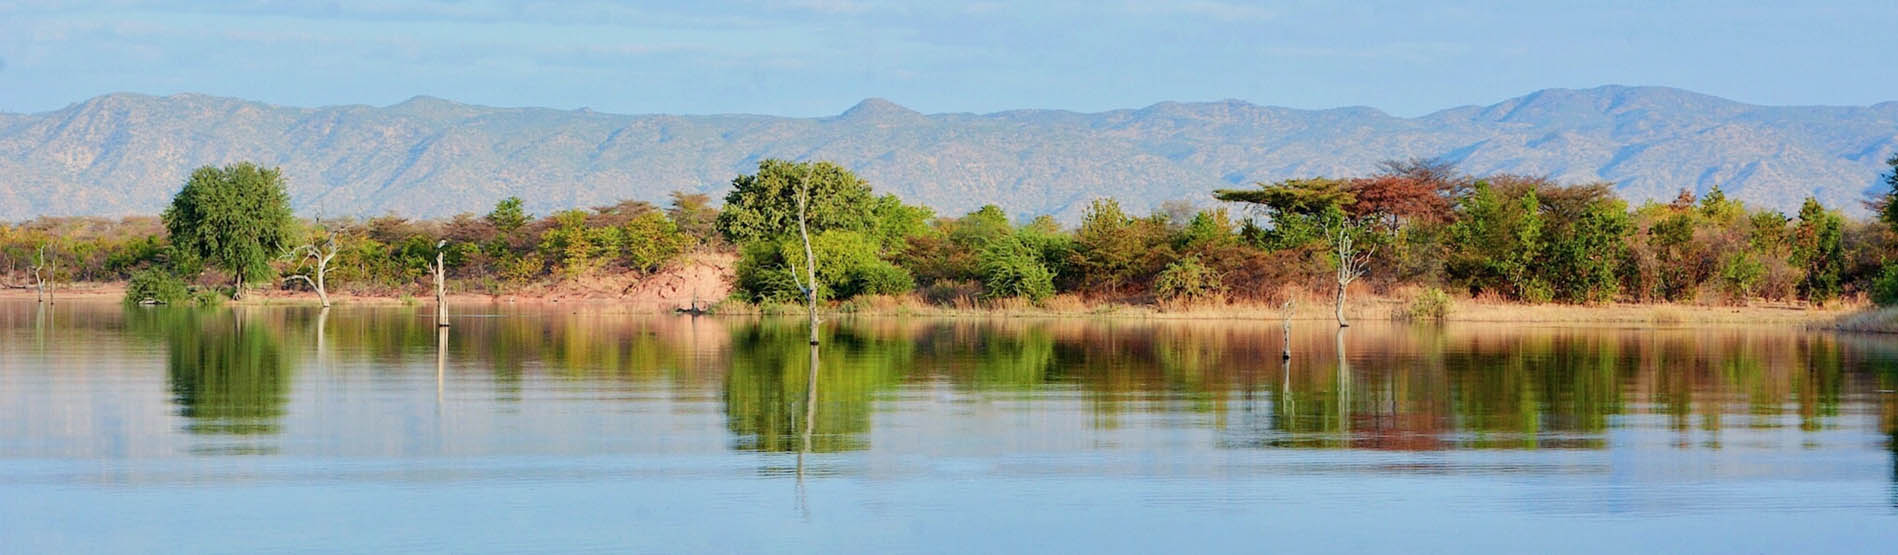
(155, 286)
(1885, 288)
(1188, 280)
(1432, 304)
(1011, 269)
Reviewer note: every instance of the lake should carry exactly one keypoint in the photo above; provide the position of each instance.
(259, 428)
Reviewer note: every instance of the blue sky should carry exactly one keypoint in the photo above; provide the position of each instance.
(818, 57)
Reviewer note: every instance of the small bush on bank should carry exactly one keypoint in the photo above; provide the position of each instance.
(1188, 280)
(1431, 305)
(154, 286)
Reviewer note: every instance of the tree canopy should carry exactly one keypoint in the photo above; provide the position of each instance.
(236, 217)
(763, 205)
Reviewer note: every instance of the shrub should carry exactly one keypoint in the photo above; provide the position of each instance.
(882, 278)
(1010, 269)
(952, 293)
(1740, 276)
(1885, 288)
(157, 287)
(1188, 280)
(1432, 304)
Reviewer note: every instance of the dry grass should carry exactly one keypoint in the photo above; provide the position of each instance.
(1871, 320)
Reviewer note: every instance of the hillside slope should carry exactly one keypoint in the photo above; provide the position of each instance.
(127, 153)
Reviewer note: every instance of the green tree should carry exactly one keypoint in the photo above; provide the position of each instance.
(508, 216)
(1011, 268)
(650, 240)
(1188, 280)
(1496, 243)
(764, 205)
(1294, 208)
(237, 217)
(1583, 255)
(1888, 204)
(1818, 247)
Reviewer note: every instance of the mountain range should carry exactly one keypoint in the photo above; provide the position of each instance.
(125, 153)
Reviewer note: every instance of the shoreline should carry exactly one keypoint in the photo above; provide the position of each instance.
(1365, 308)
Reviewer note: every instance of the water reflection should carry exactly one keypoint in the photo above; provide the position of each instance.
(229, 374)
(230, 371)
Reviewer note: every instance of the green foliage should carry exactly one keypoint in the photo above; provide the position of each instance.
(1209, 229)
(1188, 280)
(1888, 204)
(763, 206)
(693, 214)
(1584, 256)
(1011, 268)
(847, 266)
(237, 217)
(1432, 304)
(508, 215)
(650, 240)
(1885, 288)
(893, 222)
(1496, 242)
(1740, 275)
(1819, 249)
(574, 247)
(1672, 241)
(1294, 196)
(1112, 251)
(156, 286)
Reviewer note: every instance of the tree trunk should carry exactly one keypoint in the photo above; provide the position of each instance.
(441, 306)
(1286, 354)
(810, 260)
(1340, 307)
(322, 294)
(237, 288)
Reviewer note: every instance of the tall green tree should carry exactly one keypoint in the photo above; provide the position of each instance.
(1818, 247)
(764, 205)
(508, 215)
(236, 217)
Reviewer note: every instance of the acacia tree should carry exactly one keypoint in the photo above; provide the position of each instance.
(237, 217)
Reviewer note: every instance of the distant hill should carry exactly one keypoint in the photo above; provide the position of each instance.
(127, 153)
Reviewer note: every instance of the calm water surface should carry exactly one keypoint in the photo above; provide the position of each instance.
(361, 429)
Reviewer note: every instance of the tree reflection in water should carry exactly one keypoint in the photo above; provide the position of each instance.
(229, 373)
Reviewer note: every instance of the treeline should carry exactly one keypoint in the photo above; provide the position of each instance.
(1418, 222)
(1411, 223)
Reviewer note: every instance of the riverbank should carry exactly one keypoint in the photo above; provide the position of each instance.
(670, 294)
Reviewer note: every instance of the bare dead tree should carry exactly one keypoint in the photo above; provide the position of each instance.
(39, 281)
(810, 259)
(43, 268)
(1352, 260)
(441, 285)
(318, 255)
(1286, 311)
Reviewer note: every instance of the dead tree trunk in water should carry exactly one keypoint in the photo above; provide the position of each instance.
(1286, 311)
(441, 281)
(1352, 262)
(39, 280)
(810, 258)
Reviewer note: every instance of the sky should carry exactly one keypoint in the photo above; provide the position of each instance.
(819, 57)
